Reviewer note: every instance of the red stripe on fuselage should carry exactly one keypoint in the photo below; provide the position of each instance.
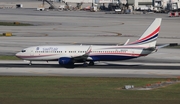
(129, 54)
(35, 56)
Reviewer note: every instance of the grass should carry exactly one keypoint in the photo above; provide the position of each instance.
(75, 90)
(14, 24)
(2, 57)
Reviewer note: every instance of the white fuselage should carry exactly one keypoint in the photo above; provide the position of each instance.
(98, 53)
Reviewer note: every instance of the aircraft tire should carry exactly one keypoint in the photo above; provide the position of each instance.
(91, 63)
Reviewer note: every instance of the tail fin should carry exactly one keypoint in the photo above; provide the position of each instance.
(148, 39)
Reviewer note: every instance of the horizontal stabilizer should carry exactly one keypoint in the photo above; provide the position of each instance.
(161, 46)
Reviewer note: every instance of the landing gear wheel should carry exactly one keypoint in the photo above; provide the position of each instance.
(85, 64)
(91, 63)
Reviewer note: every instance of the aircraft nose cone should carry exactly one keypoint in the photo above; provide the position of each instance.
(18, 55)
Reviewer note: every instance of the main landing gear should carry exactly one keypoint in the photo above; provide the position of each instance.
(91, 63)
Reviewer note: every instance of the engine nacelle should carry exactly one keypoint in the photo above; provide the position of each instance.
(66, 61)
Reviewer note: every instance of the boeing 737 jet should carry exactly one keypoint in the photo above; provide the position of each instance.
(68, 55)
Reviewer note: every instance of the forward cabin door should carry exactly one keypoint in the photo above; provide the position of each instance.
(32, 53)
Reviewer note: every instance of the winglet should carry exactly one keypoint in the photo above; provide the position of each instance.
(127, 42)
(89, 50)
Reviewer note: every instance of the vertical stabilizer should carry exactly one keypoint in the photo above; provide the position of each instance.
(148, 39)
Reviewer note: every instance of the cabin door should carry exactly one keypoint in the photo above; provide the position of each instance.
(32, 53)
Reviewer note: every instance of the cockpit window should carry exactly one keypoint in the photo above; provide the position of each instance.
(23, 51)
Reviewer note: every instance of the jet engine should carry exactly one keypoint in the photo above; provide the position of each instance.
(66, 61)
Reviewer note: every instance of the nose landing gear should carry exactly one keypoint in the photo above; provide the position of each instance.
(30, 62)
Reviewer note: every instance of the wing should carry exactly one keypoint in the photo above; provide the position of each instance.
(84, 56)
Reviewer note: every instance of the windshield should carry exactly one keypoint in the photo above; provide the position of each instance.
(23, 51)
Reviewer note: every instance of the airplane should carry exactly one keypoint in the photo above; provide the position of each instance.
(70, 54)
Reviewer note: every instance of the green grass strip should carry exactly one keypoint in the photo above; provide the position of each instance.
(2, 57)
(79, 90)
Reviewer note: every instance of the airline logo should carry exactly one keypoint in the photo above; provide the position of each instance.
(37, 48)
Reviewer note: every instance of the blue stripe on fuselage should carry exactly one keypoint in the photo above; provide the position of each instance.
(110, 57)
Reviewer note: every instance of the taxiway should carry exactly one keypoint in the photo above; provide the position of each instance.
(101, 69)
